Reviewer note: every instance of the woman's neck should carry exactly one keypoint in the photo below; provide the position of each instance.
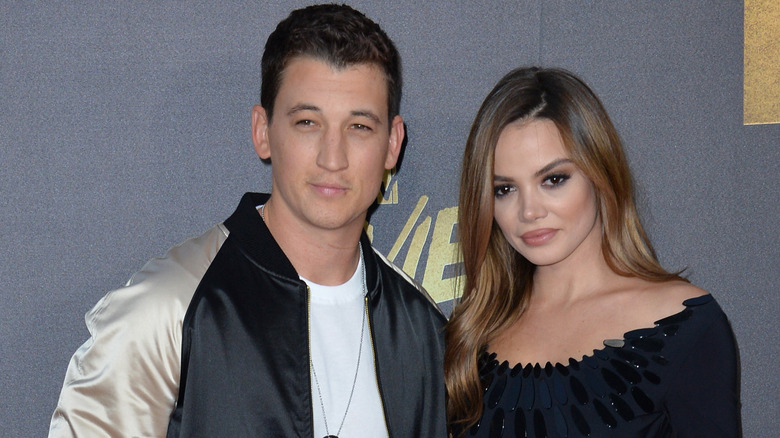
(583, 273)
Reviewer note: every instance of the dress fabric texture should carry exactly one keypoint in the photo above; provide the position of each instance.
(676, 379)
(212, 340)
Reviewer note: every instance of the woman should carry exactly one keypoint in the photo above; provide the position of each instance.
(568, 325)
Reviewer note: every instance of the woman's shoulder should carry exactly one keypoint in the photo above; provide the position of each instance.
(652, 301)
(670, 297)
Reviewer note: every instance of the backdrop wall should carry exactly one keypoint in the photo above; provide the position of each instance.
(124, 129)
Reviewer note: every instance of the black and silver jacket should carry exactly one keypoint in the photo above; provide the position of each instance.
(214, 342)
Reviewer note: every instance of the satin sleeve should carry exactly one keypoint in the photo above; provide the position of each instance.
(704, 398)
(123, 381)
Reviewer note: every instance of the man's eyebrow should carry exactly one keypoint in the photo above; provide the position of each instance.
(303, 107)
(551, 166)
(356, 113)
(367, 114)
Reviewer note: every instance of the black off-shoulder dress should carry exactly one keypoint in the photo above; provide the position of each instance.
(676, 379)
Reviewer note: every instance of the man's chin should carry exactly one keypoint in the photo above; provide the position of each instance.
(334, 221)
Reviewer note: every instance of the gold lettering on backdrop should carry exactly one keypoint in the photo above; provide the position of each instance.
(415, 248)
(388, 193)
(762, 62)
(442, 250)
(407, 229)
(442, 253)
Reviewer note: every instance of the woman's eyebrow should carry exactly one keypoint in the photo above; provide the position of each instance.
(551, 166)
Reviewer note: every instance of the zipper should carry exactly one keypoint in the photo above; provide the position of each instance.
(376, 371)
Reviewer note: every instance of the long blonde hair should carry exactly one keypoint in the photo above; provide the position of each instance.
(497, 278)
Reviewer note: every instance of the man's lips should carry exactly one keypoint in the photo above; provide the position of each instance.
(538, 237)
(329, 189)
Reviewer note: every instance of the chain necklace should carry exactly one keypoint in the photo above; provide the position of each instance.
(360, 350)
(357, 367)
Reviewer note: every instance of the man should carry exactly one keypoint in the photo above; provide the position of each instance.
(282, 321)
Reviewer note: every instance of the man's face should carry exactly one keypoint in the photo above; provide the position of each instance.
(328, 142)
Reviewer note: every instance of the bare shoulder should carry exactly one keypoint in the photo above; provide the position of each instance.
(667, 298)
(648, 301)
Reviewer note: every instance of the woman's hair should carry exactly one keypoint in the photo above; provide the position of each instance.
(497, 278)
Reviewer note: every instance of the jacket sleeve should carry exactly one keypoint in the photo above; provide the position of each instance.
(704, 397)
(123, 381)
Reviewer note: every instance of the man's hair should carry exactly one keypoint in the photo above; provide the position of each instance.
(336, 34)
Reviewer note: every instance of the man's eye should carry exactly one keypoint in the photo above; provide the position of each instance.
(361, 127)
(305, 122)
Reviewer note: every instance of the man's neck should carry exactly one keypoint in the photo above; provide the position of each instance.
(327, 257)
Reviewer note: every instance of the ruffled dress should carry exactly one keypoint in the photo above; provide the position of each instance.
(676, 379)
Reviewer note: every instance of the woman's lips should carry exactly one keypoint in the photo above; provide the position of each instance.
(538, 237)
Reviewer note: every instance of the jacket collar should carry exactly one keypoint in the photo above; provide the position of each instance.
(256, 241)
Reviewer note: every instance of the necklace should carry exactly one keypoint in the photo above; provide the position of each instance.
(360, 350)
(357, 367)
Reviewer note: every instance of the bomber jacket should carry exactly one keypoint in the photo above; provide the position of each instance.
(212, 340)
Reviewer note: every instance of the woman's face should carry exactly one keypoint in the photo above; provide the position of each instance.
(544, 205)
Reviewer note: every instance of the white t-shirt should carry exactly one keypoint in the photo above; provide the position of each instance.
(336, 313)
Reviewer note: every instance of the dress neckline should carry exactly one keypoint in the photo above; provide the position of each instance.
(639, 333)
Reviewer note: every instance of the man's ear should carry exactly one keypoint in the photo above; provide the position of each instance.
(260, 132)
(396, 140)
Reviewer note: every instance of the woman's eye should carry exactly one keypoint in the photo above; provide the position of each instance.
(555, 180)
(501, 190)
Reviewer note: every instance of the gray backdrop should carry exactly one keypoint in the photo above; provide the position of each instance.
(124, 129)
